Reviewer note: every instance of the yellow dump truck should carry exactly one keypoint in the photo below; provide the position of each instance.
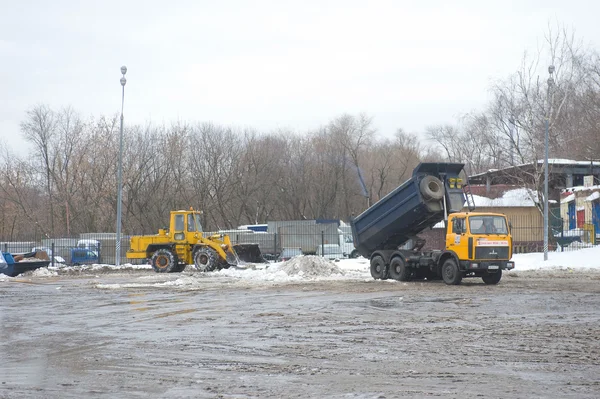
(184, 243)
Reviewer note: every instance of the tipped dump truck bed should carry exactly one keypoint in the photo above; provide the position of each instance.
(412, 207)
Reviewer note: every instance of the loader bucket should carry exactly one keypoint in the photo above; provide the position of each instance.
(249, 253)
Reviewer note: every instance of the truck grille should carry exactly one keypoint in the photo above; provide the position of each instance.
(491, 253)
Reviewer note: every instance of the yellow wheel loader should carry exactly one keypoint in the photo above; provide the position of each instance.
(184, 243)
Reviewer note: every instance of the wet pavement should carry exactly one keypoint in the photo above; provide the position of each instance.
(140, 334)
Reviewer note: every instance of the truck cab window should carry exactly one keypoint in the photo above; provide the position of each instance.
(458, 226)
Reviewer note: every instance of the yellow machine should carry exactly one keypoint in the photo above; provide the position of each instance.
(481, 244)
(182, 244)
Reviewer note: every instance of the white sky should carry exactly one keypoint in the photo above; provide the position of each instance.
(269, 64)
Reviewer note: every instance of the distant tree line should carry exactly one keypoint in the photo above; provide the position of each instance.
(68, 184)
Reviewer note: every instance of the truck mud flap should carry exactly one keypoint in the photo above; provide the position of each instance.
(248, 253)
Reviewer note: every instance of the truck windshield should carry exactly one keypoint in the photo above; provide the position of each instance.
(487, 225)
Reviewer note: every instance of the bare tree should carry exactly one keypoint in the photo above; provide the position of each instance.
(39, 128)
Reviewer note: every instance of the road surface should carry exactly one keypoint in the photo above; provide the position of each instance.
(137, 334)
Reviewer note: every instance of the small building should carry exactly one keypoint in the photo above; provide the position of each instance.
(580, 211)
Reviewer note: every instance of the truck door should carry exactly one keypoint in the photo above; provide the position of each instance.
(456, 238)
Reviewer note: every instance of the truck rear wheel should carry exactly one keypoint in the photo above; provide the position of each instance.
(492, 278)
(378, 268)
(205, 259)
(164, 261)
(450, 272)
(398, 269)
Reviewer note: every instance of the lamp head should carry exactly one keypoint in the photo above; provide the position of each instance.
(551, 69)
(123, 69)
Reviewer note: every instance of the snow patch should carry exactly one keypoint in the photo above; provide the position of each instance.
(517, 197)
(594, 196)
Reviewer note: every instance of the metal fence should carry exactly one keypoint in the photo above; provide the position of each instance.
(563, 236)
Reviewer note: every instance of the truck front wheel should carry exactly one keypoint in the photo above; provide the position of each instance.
(378, 268)
(164, 261)
(398, 270)
(450, 273)
(492, 278)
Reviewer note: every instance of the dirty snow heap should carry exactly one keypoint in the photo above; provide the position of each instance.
(310, 266)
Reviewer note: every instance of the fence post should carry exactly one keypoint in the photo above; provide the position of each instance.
(322, 243)
(5, 247)
(52, 256)
(275, 244)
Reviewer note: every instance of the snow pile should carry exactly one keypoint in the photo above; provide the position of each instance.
(44, 272)
(310, 266)
(587, 258)
(516, 197)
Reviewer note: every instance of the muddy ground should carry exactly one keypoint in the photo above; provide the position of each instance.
(137, 334)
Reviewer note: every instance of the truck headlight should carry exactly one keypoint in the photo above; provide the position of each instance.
(474, 265)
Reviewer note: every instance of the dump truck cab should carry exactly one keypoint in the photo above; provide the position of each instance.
(480, 242)
(477, 244)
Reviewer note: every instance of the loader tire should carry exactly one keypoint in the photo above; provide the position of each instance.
(164, 261)
(398, 270)
(432, 188)
(206, 259)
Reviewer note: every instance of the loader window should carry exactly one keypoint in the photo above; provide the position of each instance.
(191, 223)
(194, 223)
(178, 222)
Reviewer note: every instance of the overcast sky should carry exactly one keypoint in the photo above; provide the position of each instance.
(269, 64)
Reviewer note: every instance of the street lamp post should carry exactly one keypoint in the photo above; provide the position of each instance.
(120, 174)
(550, 84)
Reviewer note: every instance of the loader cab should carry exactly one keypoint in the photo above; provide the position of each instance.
(185, 225)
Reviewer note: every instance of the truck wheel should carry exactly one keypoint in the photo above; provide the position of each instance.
(432, 188)
(450, 273)
(398, 270)
(205, 259)
(164, 261)
(377, 268)
(492, 278)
